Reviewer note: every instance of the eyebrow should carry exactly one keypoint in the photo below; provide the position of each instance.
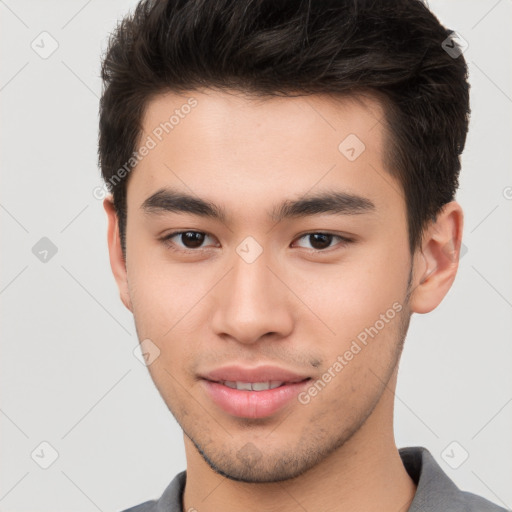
(168, 200)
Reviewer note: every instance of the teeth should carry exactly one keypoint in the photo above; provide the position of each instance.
(253, 386)
(261, 386)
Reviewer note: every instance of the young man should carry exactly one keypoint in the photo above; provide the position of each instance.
(283, 178)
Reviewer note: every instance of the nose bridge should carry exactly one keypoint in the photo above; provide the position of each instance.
(252, 302)
(250, 282)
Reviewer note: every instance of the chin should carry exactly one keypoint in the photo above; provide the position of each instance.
(250, 465)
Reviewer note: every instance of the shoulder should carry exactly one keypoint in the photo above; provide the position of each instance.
(435, 491)
(170, 501)
(147, 506)
(475, 503)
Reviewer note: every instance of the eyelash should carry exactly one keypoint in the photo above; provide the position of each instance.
(166, 240)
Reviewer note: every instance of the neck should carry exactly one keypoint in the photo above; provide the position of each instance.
(365, 473)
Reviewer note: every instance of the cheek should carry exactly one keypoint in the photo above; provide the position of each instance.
(171, 307)
(362, 303)
(162, 292)
(164, 303)
(352, 296)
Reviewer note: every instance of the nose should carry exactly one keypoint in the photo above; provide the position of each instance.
(252, 303)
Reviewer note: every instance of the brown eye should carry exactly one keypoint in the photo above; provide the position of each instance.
(192, 239)
(183, 240)
(322, 241)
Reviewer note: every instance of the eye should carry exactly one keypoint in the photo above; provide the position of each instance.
(186, 240)
(194, 240)
(321, 241)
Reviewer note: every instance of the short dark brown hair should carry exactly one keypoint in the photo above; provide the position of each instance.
(395, 49)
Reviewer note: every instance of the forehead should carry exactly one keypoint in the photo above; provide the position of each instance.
(250, 151)
(218, 117)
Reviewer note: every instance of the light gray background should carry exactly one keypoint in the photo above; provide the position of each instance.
(68, 373)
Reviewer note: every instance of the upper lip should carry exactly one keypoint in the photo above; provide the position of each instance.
(235, 373)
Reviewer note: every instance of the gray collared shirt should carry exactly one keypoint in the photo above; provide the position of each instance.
(435, 491)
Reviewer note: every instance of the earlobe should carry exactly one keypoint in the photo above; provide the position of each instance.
(117, 262)
(437, 261)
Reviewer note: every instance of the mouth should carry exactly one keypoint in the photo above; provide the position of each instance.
(253, 386)
(252, 393)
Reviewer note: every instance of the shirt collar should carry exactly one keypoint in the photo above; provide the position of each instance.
(435, 491)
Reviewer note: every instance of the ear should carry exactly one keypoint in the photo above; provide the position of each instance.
(437, 261)
(117, 262)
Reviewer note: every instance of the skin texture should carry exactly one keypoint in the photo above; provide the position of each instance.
(292, 307)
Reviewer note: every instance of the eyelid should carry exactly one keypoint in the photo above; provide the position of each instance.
(344, 241)
(166, 239)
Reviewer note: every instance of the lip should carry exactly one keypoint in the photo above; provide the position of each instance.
(252, 404)
(256, 374)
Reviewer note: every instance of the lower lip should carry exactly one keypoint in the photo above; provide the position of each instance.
(252, 404)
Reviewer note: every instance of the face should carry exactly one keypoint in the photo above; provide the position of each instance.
(267, 250)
